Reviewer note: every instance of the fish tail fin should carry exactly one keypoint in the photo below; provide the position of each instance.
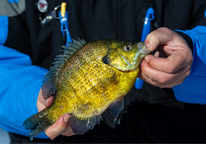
(37, 123)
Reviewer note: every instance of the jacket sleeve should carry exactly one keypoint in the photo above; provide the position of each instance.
(193, 89)
(20, 83)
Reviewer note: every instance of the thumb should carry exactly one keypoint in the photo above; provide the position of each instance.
(47, 102)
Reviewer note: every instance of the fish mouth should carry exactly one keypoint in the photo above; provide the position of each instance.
(142, 49)
(130, 66)
(106, 60)
(144, 52)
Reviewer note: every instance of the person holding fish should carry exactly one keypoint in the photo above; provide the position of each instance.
(93, 79)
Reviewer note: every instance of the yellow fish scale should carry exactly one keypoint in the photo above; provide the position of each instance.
(88, 86)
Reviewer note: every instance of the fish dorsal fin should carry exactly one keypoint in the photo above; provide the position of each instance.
(80, 126)
(51, 78)
(116, 108)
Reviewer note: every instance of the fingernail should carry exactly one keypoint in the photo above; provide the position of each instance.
(146, 59)
(66, 118)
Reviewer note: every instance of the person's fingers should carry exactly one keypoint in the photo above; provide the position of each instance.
(67, 131)
(48, 102)
(171, 62)
(158, 37)
(40, 105)
(169, 65)
(153, 74)
(157, 54)
(162, 79)
(58, 127)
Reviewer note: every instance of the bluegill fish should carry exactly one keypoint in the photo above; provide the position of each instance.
(87, 79)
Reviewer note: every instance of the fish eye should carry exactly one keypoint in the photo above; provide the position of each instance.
(127, 48)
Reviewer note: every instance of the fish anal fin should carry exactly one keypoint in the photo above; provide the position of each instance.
(116, 109)
(80, 126)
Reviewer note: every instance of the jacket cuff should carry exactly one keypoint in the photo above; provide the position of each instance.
(187, 39)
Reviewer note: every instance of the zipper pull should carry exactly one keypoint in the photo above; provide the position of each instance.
(147, 23)
(146, 30)
(63, 15)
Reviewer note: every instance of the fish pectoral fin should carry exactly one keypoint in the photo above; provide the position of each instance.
(80, 126)
(116, 109)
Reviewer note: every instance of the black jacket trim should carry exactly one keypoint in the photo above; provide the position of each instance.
(187, 39)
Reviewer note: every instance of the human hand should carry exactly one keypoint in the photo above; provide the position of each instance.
(60, 127)
(171, 62)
